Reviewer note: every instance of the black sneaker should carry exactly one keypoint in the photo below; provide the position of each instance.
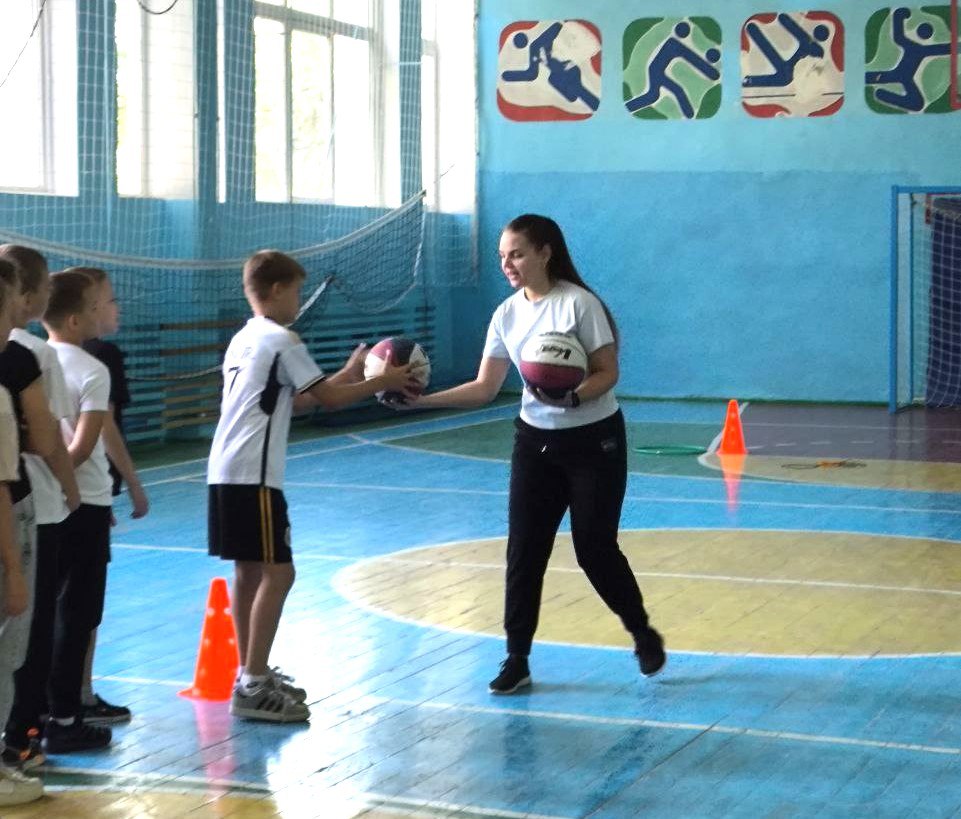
(66, 739)
(23, 752)
(649, 650)
(104, 713)
(514, 674)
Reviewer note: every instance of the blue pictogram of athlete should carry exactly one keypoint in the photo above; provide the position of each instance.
(563, 75)
(906, 71)
(808, 45)
(658, 80)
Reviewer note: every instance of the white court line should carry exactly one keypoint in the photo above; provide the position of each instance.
(629, 722)
(362, 799)
(179, 479)
(370, 487)
(760, 581)
(146, 547)
(732, 730)
(143, 681)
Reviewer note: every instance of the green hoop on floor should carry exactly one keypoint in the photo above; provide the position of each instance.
(670, 449)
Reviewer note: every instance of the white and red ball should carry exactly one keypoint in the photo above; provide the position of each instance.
(400, 350)
(553, 362)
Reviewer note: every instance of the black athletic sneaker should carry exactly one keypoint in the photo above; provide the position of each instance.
(66, 739)
(514, 674)
(105, 713)
(649, 650)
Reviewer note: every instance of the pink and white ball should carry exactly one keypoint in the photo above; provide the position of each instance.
(553, 362)
(400, 350)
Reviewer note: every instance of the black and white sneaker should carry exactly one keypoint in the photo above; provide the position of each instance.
(285, 683)
(514, 674)
(649, 650)
(269, 703)
(105, 713)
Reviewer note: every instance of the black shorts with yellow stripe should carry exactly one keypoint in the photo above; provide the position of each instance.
(248, 523)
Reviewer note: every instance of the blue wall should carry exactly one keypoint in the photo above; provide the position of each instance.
(742, 257)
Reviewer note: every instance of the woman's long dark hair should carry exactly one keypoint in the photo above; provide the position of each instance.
(541, 231)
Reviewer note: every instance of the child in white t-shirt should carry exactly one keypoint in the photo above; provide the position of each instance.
(71, 319)
(268, 372)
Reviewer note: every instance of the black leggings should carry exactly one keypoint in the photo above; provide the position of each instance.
(584, 469)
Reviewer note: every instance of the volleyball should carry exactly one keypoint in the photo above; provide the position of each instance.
(401, 351)
(553, 362)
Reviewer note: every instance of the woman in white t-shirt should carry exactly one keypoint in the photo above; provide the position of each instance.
(569, 453)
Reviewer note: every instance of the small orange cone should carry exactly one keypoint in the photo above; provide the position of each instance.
(218, 658)
(732, 438)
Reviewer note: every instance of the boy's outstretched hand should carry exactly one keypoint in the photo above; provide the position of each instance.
(400, 378)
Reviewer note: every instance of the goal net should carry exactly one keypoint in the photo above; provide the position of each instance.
(926, 295)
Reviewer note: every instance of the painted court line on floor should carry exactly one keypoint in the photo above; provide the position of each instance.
(627, 722)
(733, 730)
(199, 550)
(693, 576)
(440, 490)
(134, 782)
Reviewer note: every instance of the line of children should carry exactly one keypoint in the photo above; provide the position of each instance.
(46, 652)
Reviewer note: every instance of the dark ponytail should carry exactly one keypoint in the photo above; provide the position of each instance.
(541, 231)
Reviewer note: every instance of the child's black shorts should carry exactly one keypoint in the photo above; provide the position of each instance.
(246, 522)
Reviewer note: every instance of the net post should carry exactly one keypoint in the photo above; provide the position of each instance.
(893, 336)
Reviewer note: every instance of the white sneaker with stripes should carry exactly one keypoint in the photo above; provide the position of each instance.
(269, 703)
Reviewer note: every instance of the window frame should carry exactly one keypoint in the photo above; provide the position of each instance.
(50, 173)
(329, 27)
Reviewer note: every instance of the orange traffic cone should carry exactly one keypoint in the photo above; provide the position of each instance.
(732, 438)
(218, 658)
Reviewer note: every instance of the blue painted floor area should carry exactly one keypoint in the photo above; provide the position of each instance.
(401, 713)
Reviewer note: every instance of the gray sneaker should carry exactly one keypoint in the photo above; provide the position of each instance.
(284, 682)
(268, 703)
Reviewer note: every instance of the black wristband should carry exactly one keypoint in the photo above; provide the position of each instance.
(575, 399)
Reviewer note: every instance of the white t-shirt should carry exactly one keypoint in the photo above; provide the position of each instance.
(567, 308)
(88, 390)
(264, 366)
(48, 499)
(9, 448)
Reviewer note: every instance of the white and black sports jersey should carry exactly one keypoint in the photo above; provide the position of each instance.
(567, 308)
(264, 366)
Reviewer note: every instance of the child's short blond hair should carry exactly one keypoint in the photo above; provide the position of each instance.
(269, 267)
